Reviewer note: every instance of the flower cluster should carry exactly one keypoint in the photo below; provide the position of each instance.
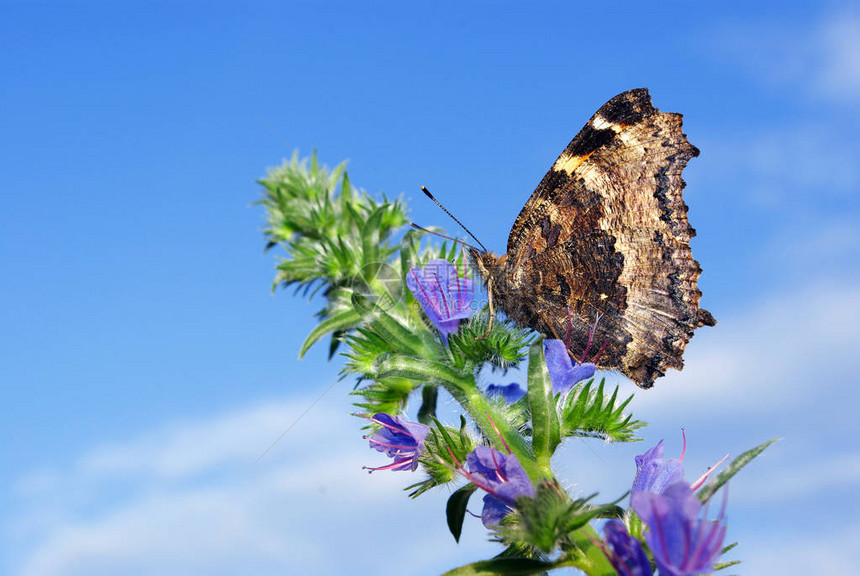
(500, 475)
(682, 539)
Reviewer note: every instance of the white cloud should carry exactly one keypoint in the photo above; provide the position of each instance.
(816, 476)
(794, 169)
(821, 58)
(185, 499)
(191, 448)
(833, 247)
(805, 161)
(811, 552)
(838, 42)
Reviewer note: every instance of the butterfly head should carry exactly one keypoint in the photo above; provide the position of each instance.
(487, 264)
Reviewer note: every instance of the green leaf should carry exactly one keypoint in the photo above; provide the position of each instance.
(503, 567)
(545, 426)
(338, 322)
(400, 337)
(551, 520)
(420, 369)
(370, 236)
(504, 347)
(588, 413)
(455, 510)
(345, 191)
(335, 342)
(733, 468)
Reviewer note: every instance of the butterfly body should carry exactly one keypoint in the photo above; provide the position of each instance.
(599, 256)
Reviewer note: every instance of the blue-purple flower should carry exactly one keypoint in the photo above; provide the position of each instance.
(398, 439)
(445, 296)
(562, 371)
(511, 393)
(625, 552)
(683, 541)
(655, 473)
(501, 477)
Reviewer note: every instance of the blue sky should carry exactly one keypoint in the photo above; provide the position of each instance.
(145, 364)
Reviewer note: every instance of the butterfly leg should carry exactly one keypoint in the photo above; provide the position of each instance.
(490, 305)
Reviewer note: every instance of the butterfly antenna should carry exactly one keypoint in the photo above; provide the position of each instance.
(445, 210)
(423, 229)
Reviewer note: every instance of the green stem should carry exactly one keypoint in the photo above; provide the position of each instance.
(589, 558)
(482, 411)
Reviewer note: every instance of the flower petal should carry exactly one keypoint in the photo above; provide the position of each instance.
(628, 557)
(502, 477)
(683, 544)
(511, 393)
(494, 510)
(445, 297)
(398, 439)
(563, 373)
(654, 473)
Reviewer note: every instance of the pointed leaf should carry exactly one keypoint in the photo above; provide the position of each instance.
(734, 466)
(545, 426)
(338, 322)
(335, 343)
(345, 190)
(421, 370)
(455, 510)
(401, 338)
(370, 236)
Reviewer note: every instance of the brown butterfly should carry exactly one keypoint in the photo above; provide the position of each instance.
(600, 255)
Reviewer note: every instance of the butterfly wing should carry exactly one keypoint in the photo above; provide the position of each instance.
(605, 238)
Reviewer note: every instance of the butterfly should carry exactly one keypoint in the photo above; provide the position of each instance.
(599, 256)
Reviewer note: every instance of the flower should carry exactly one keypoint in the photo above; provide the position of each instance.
(682, 542)
(562, 372)
(654, 473)
(511, 393)
(399, 439)
(502, 477)
(626, 553)
(445, 297)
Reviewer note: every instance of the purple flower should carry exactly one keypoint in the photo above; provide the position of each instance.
(626, 554)
(511, 393)
(398, 439)
(562, 371)
(445, 297)
(502, 477)
(654, 473)
(682, 542)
